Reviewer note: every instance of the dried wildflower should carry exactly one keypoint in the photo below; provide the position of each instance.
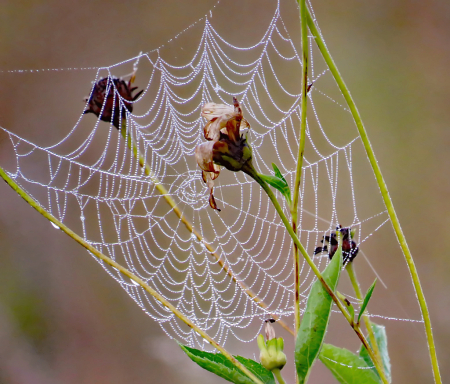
(349, 248)
(111, 106)
(225, 146)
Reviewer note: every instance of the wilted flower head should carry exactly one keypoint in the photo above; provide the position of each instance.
(225, 147)
(111, 102)
(349, 247)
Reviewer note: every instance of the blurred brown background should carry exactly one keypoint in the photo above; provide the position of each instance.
(63, 320)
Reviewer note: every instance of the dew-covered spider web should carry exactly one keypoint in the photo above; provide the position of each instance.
(92, 181)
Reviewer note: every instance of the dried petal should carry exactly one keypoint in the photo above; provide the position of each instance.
(212, 111)
(212, 128)
(204, 157)
(234, 124)
(210, 171)
(244, 124)
(270, 332)
(222, 116)
(212, 201)
(208, 178)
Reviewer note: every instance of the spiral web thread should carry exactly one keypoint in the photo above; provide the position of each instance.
(95, 184)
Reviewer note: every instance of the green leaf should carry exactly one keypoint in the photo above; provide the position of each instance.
(278, 182)
(278, 172)
(315, 319)
(366, 299)
(381, 339)
(279, 175)
(347, 367)
(221, 366)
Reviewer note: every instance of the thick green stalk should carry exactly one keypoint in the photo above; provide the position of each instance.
(166, 195)
(125, 272)
(359, 296)
(248, 169)
(277, 374)
(384, 192)
(301, 150)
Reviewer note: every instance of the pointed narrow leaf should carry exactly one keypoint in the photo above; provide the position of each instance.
(366, 299)
(381, 338)
(279, 184)
(221, 366)
(275, 182)
(315, 319)
(278, 172)
(347, 367)
(280, 176)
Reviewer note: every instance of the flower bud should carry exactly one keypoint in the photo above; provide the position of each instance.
(271, 351)
(281, 357)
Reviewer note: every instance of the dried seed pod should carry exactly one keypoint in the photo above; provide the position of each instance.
(330, 245)
(110, 99)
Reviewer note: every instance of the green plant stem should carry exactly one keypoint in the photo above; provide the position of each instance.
(165, 194)
(384, 192)
(277, 374)
(248, 169)
(301, 150)
(33, 203)
(359, 296)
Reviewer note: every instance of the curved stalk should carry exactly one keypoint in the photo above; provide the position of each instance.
(166, 195)
(277, 374)
(359, 296)
(384, 192)
(301, 150)
(125, 272)
(248, 169)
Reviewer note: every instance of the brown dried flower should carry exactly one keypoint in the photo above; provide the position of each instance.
(349, 248)
(120, 95)
(225, 146)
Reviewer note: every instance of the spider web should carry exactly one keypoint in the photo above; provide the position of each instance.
(95, 184)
